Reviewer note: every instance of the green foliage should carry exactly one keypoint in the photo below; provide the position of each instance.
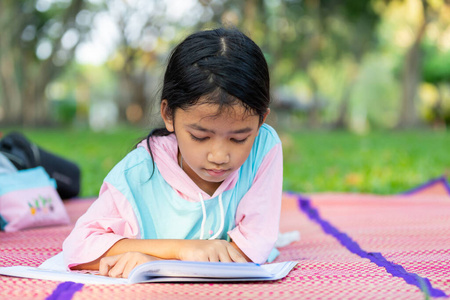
(375, 93)
(36, 48)
(64, 111)
(434, 68)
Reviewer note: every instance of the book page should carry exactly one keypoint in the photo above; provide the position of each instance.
(176, 268)
(157, 271)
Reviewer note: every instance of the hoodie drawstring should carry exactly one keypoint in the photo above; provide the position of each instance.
(222, 218)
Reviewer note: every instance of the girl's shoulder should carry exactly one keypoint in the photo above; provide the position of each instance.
(136, 160)
(267, 132)
(139, 163)
(267, 138)
(266, 151)
(267, 141)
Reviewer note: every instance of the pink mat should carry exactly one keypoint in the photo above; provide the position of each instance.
(352, 246)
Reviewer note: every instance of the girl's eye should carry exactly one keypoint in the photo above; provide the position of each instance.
(197, 139)
(239, 141)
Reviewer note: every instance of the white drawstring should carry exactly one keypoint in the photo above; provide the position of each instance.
(204, 216)
(222, 218)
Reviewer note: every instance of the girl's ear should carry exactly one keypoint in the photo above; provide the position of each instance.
(265, 116)
(167, 115)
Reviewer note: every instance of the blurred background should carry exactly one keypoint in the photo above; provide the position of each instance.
(361, 89)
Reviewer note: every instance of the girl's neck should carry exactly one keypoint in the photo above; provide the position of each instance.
(180, 160)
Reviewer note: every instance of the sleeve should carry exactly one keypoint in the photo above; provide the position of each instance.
(109, 219)
(258, 213)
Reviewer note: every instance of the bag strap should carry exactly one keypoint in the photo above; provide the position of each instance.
(19, 150)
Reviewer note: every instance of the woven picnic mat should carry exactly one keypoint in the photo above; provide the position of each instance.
(351, 247)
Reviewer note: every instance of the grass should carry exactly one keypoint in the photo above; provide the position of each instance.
(94, 152)
(380, 162)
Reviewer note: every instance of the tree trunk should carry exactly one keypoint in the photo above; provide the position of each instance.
(411, 78)
(250, 14)
(12, 100)
(341, 120)
(23, 77)
(314, 110)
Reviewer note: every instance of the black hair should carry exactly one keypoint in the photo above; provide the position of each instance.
(222, 66)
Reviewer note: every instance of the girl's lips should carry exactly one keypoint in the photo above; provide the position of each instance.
(216, 173)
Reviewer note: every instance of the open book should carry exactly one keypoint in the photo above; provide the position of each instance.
(159, 271)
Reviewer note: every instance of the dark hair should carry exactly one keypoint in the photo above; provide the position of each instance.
(221, 66)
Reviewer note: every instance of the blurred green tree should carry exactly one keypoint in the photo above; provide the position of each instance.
(411, 74)
(139, 23)
(38, 40)
(437, 73)
(147, 30)
(325, 50)
(300, 37)
(416, 21)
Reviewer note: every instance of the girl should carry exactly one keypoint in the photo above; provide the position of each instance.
(207, 187)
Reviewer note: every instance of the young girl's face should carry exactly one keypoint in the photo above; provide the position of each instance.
(212, 145)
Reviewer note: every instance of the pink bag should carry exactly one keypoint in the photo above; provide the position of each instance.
(28, 199)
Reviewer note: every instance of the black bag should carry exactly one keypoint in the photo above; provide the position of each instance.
(25, 155)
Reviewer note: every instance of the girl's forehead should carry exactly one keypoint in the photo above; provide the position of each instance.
(211, 111)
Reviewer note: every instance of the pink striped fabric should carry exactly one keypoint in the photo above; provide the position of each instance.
(352, 247)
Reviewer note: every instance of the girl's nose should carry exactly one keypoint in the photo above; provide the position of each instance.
(218, 157)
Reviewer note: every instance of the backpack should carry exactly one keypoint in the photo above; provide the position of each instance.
(24, 154)
(28, 199)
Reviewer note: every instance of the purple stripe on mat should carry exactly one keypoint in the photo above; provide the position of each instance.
(441, 179)
(65, 291)
(394, 269)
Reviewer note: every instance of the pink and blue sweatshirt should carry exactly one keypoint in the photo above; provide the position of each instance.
(138, 202)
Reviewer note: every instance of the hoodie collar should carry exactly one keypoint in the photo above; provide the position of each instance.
(165, 152)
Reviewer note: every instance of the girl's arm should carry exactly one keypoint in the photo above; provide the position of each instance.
(258, 213)
(109, 219)
(124, 255)
(109, 224)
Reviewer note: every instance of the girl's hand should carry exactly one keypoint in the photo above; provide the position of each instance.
(121, 265)
(209, 250)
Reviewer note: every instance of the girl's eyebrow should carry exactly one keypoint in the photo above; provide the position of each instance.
(200, 128)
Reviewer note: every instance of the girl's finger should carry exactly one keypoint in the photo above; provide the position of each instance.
(106, 263)
(235, 255)
(117, 269)
(214, 258)
(225, 257)
(130, 266)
